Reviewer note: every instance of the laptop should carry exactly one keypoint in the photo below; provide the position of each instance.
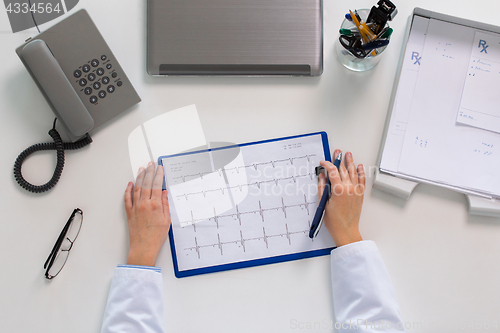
(235, 37)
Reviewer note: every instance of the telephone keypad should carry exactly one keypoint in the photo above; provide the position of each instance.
(94, 79)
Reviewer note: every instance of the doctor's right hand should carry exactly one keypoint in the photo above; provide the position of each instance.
(343, 209)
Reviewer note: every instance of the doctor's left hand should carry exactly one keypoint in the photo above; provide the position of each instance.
(148, 216)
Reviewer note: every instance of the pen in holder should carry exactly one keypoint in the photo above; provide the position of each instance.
(362, 39)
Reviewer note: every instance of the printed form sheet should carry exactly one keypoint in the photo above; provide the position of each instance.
(480, 105)
(404, 96)
(436, 147)
(246, 202)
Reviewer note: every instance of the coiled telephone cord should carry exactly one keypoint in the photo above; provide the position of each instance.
(57, 145)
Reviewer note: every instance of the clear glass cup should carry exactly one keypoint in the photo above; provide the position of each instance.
(350, 61)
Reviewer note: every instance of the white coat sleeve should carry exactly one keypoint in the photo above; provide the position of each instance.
(364, 299)
(135, 301)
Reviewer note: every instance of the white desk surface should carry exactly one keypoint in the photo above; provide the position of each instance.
(444, 263)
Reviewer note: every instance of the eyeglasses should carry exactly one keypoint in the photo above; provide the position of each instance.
(60, 252)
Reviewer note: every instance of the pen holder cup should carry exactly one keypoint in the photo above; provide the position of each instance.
(347, 58)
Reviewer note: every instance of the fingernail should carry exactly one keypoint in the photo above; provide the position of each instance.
(150, 163)
(141, 169)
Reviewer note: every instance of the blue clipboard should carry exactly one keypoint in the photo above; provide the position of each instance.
(255, 262)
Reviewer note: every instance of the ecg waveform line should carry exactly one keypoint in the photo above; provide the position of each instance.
(242, 241)
(257, 183)
(253, 165)
(238, 214)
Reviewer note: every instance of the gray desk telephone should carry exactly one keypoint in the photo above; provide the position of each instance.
(81, 80)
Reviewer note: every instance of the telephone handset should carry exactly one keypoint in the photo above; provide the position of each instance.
(81, 80)
(67, 106)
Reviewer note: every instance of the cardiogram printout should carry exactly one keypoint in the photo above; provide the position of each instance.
(480, 98)
(245, 205)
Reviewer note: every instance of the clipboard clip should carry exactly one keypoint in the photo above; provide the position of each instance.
(386, 11)
(320, 170)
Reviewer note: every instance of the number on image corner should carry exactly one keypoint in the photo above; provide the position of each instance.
(16, 9)
(49, 9)
(39, 8)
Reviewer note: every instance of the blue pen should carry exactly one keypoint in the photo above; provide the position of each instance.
(375, 44)
(349, 18)
(318, 216)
